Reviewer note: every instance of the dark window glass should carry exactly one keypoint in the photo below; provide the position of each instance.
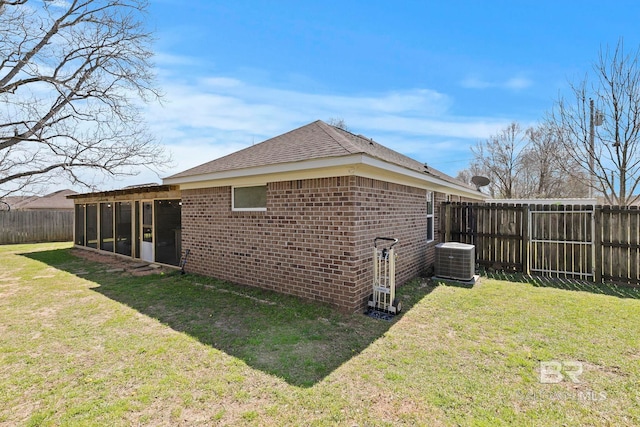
(168, 231)
(147, 234)
(136, 229)
(250, 197)
(106, 226)
(79, 225)
(147, 214)
(123, 228)
(92, 226)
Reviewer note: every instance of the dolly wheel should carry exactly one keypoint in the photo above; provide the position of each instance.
(398, 305)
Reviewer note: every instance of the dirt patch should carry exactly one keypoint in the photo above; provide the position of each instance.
(117, 264)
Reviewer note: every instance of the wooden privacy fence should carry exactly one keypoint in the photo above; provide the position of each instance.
(587, 242)
(35, 226)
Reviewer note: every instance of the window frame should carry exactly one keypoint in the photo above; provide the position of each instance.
(92, 212)
(250, 209)
(431, 236)
(79, 225)
(106, 226)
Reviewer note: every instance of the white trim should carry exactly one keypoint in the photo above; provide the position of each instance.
(354, 164)
(153, 231)
(431, 199)
(233, 199)
(249, 209)
(267, 170)
(438, 184)
(559, 201)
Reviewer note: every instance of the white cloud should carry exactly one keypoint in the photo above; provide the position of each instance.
(513, 83)
(203, 118)
(206, 118)
(518, 83)
(59, 3)
(475, 82)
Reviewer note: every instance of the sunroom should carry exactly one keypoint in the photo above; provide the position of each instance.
(141, 222)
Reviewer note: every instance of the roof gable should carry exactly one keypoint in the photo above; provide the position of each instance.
(308, 142)
(55, 200)
(316, 140)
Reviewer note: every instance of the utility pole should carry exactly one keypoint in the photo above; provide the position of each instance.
(591, 147)
(595, 119)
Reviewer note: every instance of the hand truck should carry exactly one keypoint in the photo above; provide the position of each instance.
(384, 277)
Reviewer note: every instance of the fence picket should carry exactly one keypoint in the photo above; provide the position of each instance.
(35, 226)
(558, 239)
(631, 240)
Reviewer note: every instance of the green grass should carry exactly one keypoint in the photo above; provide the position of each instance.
(82, 346)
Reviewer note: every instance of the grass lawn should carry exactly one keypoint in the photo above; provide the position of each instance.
(82, 345)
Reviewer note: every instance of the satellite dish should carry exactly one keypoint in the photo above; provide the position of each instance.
(480, 181)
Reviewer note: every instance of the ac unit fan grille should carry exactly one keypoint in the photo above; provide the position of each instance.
(455, 261)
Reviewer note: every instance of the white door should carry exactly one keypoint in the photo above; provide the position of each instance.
(146, 248)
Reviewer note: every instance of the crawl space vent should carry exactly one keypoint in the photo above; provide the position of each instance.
(455, 261)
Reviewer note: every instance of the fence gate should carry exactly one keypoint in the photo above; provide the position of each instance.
(561, 240)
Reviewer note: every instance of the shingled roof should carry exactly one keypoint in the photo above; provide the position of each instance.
(316, 140)
(53, 201)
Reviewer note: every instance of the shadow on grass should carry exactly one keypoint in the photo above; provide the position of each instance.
(455, 283)
(298, 341)
(621, 291)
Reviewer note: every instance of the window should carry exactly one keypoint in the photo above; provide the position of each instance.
(123, 228)
(168, 231)
(249, 198)
(147, 222)
(80, 217)
(92, 226)
(136, 228)
(106, 227)
(429, 216)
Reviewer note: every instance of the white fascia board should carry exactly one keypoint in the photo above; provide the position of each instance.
(354, 164)
(326, 162)
(433, 182)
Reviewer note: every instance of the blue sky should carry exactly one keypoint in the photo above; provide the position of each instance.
(426, 78)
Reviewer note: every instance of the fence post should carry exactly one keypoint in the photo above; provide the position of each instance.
(525, 239)
(447, 222)
(597, 242)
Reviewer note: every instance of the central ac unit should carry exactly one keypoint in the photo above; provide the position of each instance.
(455, 261)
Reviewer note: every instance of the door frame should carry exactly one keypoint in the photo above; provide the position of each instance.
(147, 249)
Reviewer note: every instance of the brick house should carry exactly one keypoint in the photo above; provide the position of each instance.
(298, 213)
(56, 201)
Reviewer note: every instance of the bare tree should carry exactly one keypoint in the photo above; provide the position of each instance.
(72, 75)
(606, 150)
(338, 122)
(525, 163)
(543, 165)
(498, 158)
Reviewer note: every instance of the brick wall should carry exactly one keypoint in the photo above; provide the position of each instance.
(315, 239)
(389, 210)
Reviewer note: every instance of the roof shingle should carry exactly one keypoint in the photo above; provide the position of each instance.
(315, 140)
